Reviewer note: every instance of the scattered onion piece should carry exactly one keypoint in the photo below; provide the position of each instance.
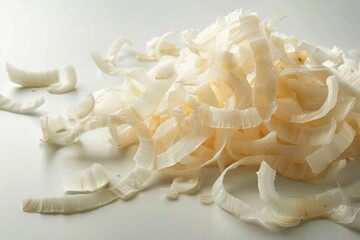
(32, 79)
(10, 105)
(289, 212)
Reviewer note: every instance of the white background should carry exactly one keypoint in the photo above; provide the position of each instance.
(45, 34)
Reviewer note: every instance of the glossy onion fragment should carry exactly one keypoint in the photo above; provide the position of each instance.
(236, 93)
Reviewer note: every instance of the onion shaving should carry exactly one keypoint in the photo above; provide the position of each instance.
(7, 104)
(31, 79)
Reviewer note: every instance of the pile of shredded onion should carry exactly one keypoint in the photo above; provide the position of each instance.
(237, 93)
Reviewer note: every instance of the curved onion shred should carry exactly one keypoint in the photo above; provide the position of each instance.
(320, 159)
(289, 212)
(85, 181)
(48, 79)
(7, 104)
(237, 93)
(32, 79)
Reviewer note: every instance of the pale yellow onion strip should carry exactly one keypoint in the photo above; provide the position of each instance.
(264, 91)
(289, 110)
(322, 157)
(183, 184)
(201, 153)
(224, 118)
(241, 89)
(70, 134)
(301, 134)
(68, 204)
(289, 212)
(286, 166)
(123, 137)
(296, 153)
(182, 148)
(87, 180)
(235, 205)
(341, 110)
(65, 86)
(148, 102)
(145, 154)
(164, 143)
(306, 90)
(164, 128)
(83, 108)
(222, 137)
(32, 79)
(247, 134)
(313, 75)
(7, 104)
(144, 157)
(255, 147)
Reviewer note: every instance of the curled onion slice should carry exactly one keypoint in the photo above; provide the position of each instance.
(10, 105)
(321, 158)
(288, 212)
(32, 79)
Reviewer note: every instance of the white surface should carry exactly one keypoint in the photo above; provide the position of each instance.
(47, 34)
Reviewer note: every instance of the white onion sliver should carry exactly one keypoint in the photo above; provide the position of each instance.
(10, 105)
(32, 79)
(321, 158)
(288, 212)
